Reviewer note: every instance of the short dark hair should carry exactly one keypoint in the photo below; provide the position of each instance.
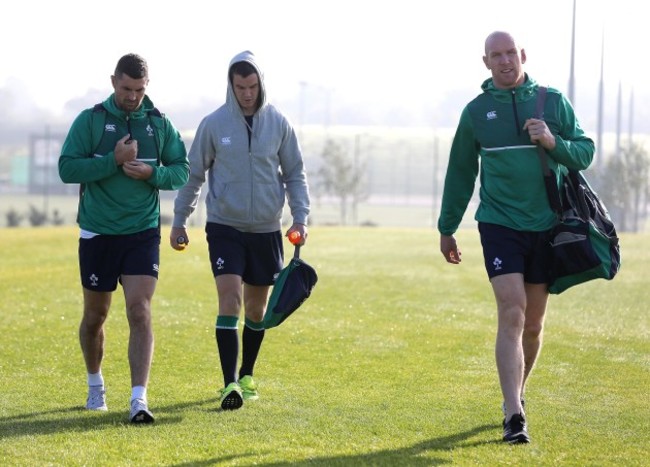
(243, 69)
(133, 65)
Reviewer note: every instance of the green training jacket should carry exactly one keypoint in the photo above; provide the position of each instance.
(110, 202)
(490, 135)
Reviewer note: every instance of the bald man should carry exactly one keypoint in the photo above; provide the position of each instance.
(498, 134)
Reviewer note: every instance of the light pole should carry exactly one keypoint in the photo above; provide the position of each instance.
(619, 110)
(356, 173)
(434, 204)
(327, 99)
(301, 108)
(601, 97)
(46, 172)
(573, 59)
(631, 118)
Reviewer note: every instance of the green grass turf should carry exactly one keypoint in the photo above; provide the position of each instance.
(389, 362)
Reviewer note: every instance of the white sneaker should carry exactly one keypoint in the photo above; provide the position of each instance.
(96, 398)
(140, 412)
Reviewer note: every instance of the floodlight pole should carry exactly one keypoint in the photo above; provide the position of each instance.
(434, 204)
(46, 172)
(599, 145)
(619, 110)
(301, 110)
(573, 58)
(631, 118)
(357, 151)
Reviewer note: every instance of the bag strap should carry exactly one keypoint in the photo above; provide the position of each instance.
(549, 177)
(539, 114)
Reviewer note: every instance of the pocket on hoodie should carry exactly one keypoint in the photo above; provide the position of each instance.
(269, 202)
(234, 201)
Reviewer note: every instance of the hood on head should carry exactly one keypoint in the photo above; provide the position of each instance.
(245, 56)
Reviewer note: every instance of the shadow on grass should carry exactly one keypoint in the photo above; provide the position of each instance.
(79, 419)
(419, 454)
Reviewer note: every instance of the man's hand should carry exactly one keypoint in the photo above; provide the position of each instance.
(449, 249)
(126, 151)
(539, 133)
(178, 238)
(137, 170)
(301, 229)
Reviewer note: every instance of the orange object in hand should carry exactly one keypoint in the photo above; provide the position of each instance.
(295, 237)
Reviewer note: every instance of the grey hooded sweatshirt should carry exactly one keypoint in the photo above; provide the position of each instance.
(248, 182)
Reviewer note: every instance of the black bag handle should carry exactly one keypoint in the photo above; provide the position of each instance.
(550, 182)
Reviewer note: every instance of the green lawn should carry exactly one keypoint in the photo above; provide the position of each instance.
(390, 362)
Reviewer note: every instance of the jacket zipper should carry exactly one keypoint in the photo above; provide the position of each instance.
(514, 110)
(249, 129)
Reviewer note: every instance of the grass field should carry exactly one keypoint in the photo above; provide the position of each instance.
(390, 362)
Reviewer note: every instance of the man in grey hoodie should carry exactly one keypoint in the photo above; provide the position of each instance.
(252, 158)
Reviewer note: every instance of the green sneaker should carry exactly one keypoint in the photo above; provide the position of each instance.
(231, 397)
(248, 388)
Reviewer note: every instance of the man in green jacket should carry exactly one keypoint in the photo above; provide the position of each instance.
(498, 132)
(121, 152)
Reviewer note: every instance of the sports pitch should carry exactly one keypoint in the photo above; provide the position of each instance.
(389, 362)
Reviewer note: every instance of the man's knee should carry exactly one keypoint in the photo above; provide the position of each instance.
(511, 317)
(139, 312)
(230, 303)
(255, 314)
(533, 328)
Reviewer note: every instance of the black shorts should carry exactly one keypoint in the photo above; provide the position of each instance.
(256, 257)
(508, 251)
(104, 258)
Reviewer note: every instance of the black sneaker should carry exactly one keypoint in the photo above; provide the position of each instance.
(515, 430)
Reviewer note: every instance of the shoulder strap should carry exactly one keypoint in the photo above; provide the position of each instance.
(539, 114)
(96, 133)
(98, 125)
(159, 136)
(549, 177)
(159, 139)
(156, 113)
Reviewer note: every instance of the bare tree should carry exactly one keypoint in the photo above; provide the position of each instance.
(637, 162)
(342, 177)
(13, 218)
(36, 217)
(623, 184)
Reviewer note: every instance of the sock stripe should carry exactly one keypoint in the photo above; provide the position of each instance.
(253, 325)
(227, 322)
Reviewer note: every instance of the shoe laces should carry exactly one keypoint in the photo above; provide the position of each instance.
(247, 383)
(96, 394)
(138, 404)
(517, 422)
